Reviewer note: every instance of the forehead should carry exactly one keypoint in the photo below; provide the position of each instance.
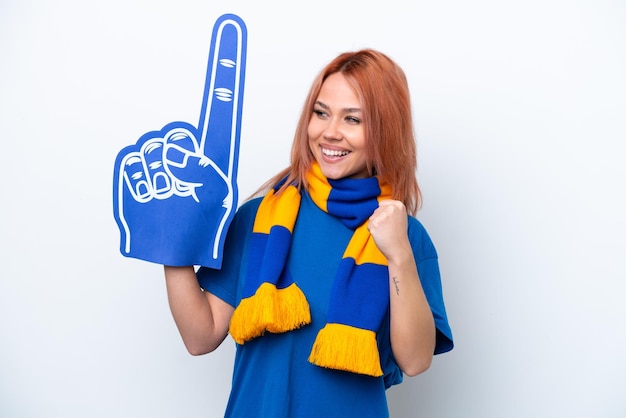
(336, 91)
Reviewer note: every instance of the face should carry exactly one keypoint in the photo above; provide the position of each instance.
(336, 130)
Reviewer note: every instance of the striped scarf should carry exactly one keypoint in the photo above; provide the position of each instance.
(359, 300)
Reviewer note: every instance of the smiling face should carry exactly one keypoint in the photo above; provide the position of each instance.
(336, 130)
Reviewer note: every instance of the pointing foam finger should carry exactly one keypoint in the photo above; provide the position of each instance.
(220, 118)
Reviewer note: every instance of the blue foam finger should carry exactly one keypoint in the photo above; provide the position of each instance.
(175, 189)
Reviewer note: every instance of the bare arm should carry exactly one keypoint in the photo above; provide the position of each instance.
(412, 324)
(201, 317)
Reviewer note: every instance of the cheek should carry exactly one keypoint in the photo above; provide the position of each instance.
(311, 140)
(356, 141)
(312, 131)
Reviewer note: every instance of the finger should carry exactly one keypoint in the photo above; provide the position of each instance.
(158, 180)
(180, 145)
(220, 117)
(135, 178)
(182, 160)
(391, 203)
(393, 207)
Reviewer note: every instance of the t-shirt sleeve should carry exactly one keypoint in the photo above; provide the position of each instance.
(225, 282)
(430, 277)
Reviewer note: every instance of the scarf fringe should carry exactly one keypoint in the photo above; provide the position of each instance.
(269, 309)
(344, 347)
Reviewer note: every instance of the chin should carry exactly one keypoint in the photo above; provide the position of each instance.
(338, 176)
(332, 174)
(338, 171)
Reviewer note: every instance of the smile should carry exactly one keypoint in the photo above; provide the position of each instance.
(334, 153)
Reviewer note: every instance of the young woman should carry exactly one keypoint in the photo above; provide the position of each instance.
(330, 287)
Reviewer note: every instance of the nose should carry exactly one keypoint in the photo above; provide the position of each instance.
(333, 130)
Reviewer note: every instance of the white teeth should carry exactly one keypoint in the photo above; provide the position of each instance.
(334, 153)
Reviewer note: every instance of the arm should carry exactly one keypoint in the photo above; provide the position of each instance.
(201, 317)
(412, 324)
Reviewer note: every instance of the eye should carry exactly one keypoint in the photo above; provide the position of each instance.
(353, 120)
(320, 113)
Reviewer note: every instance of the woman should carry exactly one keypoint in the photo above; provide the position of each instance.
(330, 289)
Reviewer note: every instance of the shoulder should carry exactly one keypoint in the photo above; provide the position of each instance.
(247, 211)
(249, 207)
(422, 244)
(244, 219)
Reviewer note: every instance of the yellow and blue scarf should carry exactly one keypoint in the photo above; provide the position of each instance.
(273, 302)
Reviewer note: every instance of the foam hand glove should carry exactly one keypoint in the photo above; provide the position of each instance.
(175, 190)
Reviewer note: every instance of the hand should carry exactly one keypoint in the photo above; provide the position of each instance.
(175, 190)
(389, 228)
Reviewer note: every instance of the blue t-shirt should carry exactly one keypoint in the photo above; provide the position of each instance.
(272, 377)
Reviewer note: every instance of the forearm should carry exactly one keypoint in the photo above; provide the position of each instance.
(201, 326)
(412, 323)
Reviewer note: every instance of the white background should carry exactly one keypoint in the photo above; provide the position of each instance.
(520, 111)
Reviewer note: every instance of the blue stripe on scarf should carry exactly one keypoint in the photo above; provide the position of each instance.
(364, 290)
(276, 247)
(353, 200)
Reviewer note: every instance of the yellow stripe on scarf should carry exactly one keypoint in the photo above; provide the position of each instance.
(362, 248)
(319, 187)
(278, 211)
(385, 192)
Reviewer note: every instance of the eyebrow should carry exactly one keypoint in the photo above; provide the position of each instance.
(345, 110)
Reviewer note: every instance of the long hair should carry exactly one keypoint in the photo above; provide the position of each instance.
(382, 88)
